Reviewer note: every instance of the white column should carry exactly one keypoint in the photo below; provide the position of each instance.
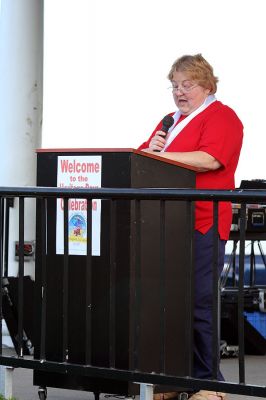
(21, 93)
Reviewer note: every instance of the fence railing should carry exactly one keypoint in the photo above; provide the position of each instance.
(66, 361)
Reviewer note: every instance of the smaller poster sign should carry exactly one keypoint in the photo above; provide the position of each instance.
(78, 172)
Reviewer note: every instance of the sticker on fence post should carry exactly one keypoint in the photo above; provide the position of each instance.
(78, 172)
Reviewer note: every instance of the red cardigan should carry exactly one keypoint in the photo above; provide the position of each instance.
(219, 132)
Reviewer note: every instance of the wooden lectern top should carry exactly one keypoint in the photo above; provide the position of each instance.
(117, 150)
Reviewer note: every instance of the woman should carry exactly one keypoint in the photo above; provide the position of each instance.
(208, 135)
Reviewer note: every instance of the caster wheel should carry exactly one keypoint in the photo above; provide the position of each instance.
(42, 392)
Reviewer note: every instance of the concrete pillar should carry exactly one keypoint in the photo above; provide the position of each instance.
(21, 94)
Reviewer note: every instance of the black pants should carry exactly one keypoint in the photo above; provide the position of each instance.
(203, 303)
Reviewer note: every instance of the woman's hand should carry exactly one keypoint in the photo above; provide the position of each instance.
(157, 143)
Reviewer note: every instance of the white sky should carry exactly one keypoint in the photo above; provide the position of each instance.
(106, 61)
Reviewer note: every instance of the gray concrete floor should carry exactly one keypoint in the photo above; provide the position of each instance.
(23, 388)
(255, 372)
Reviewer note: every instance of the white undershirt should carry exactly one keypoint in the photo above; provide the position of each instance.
(172, 133)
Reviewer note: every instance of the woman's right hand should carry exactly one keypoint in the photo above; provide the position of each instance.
(157, 143)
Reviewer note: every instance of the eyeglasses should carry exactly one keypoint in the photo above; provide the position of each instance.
(184, 87)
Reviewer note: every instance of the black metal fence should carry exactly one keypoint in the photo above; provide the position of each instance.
(65, 364)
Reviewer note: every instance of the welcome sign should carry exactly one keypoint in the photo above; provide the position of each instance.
(78, 172)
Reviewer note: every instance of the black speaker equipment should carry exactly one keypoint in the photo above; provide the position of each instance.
(255, 343)
(253, 184)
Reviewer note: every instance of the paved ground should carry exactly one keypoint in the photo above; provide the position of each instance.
(255, 370)
(23, 388)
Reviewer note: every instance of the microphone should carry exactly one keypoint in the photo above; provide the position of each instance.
(167, 123)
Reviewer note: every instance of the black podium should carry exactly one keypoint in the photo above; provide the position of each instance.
(121, 168)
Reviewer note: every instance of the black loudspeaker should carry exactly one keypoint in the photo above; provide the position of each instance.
(255, 343)
(253, 184)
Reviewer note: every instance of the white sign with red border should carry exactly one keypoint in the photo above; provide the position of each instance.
(79, 172)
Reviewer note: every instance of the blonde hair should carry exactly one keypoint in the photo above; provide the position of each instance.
(197, 69)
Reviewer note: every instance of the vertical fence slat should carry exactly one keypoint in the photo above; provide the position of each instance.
(88, 334)
(137, 287)
(1, 265)
(234, 264)
(112, 331)
(162, 286)
(252, 272)
(43, 248)
(241, 340)
(215, 296)
(65, 283)
(191, 284)
(20, 276)
(9, 203)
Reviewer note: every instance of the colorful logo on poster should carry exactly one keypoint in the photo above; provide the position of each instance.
(77, 228)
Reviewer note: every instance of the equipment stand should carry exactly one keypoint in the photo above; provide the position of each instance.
(232, 264)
